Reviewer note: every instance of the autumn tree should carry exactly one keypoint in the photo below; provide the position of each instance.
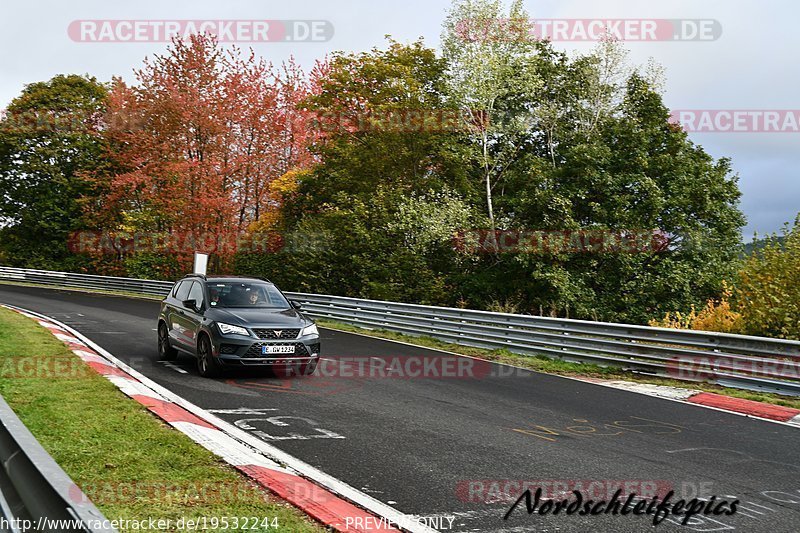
(205, 133)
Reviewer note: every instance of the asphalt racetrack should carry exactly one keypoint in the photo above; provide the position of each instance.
(454, 446)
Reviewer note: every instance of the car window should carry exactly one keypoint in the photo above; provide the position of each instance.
(196, 294)
(183, 290)
(176, 288)
(246, 294)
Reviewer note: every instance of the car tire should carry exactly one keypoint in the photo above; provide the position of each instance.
(207, 364)
(165, 351)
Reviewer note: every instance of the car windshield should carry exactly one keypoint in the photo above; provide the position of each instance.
(246, 294)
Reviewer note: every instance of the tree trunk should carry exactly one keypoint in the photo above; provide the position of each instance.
(487, 176)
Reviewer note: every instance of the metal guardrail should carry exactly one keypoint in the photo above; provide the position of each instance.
(740, 361)
(35, 493)
(85, 281)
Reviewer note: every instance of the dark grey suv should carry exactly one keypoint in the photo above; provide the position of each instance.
(236, 322)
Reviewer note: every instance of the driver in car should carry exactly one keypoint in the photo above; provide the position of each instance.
(253, 298)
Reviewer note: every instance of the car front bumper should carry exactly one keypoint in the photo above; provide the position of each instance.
(239, 350)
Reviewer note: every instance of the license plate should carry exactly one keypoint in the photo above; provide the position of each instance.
(277, 349)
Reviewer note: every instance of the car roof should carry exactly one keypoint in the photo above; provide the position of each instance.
(234, 278)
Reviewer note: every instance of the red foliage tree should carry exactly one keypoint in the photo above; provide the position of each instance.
(198, 139)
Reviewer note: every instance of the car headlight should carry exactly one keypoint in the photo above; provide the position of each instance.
(309, 330)
(227, 329)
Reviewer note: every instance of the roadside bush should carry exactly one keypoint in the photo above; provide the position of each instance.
(718, 315)
(768, 291)
(765, 299)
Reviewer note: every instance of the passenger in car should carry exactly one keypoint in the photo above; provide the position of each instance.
(214, 293)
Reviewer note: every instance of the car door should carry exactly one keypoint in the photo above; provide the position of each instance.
(194, 317)
(172, 307)
(181, 329)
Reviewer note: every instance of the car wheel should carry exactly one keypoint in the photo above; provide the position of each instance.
(165, 351)
(309, 368)
(207, 364)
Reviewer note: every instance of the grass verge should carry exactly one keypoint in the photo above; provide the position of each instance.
(541, 363)
(131, 464)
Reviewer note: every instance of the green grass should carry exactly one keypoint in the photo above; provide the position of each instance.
(541, 363)
(129, 462)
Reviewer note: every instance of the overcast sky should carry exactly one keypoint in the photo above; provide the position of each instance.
(751, 66)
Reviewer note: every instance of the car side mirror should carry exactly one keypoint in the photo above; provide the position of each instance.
(296, 304)
(190, 304)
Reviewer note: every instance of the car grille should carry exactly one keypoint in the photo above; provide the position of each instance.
(263, 333)
(255, 351)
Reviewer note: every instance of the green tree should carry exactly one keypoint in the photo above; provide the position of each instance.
(492, 78)
(625, 168)
(48, 139)
(768, 289)
(363, 103)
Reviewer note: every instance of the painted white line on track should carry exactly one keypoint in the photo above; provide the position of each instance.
(662, 391)
(241, 411)
(133, 388)
(231, 450)
(173, 367)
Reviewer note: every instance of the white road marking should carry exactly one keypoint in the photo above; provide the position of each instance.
(319, 433)
(173, 367)
(662, 391)
(133, 388)
(240, 411)
(231, 450)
